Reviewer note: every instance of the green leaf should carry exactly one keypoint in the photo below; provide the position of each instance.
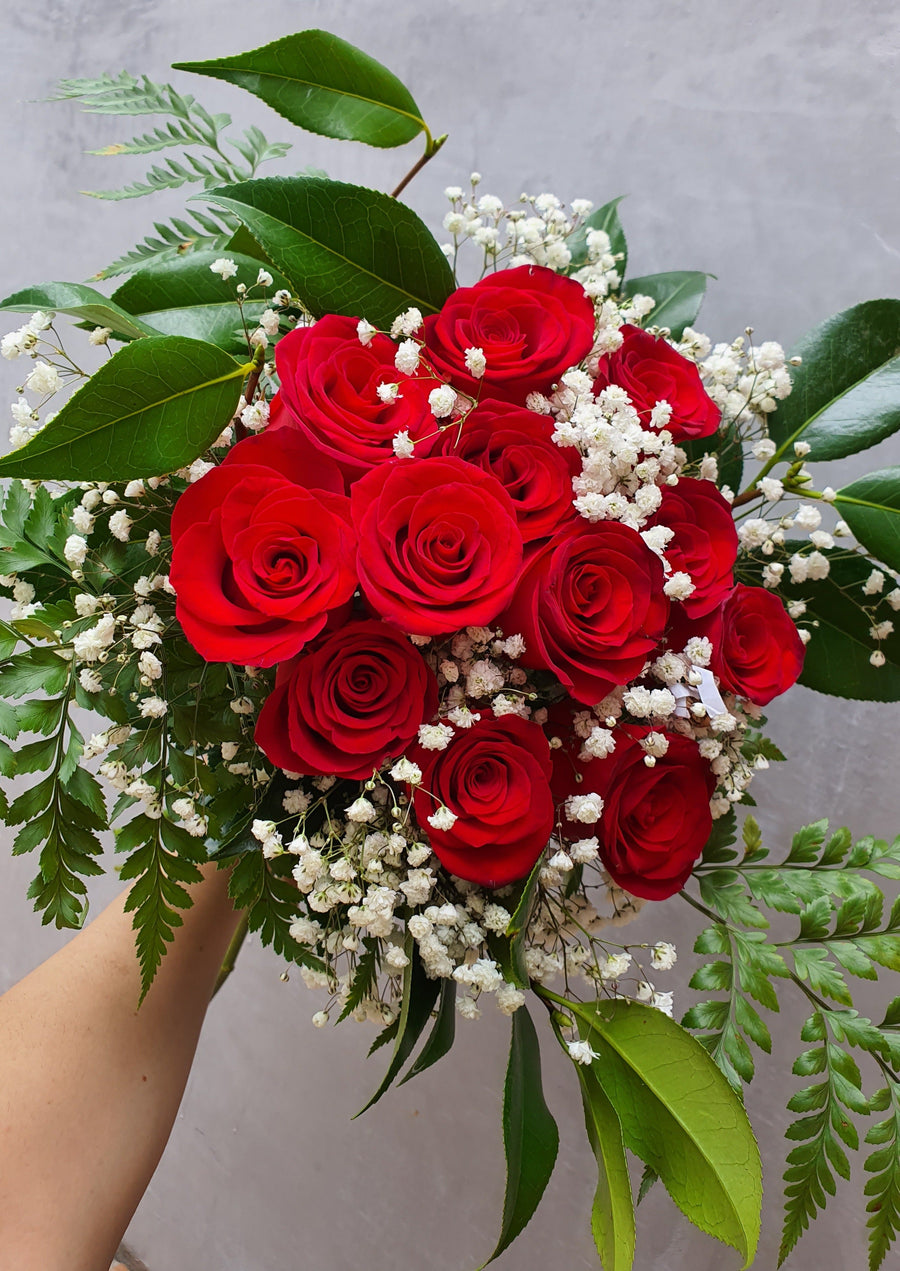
(419, 997)
(183, 297)
(349, 250)
(837, 656)
(605, 218)
(364, 979)
(33, 671)
(530, 1136)
(678, 297)
(80, 302)
(815, 966)
(846, 392)
(153, 407)
(884, 1186)
(612, 1215)
(680, 1116)
(325, 85)
(442, 1035)
(871, 507)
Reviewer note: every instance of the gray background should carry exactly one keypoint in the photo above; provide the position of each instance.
(755, 142)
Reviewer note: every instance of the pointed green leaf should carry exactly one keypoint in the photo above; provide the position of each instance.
(680, 1116)
(184, 297)
(678, 297)
(419, 996)
(442, 1035)
(605, 218)
(612, 1215)
(530, 1136)
(871, 507)
(153, 407)
(349, 250)
(325, 85)
(846, 392)
(80, 302)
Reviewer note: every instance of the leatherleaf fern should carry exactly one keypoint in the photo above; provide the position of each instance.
(850, 1067)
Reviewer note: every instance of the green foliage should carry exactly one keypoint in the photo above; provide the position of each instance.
(347, 249)
(604, 218)
(871, 507)
(190, 128)
(184, 297)
(612, 1213)
(508, 949)
(419, 997)
(364, 979)
(680, 1116)
(78, 301)
(325, 85)
(839, 615)
(210, 230)
(884, 1166)
(442, 1035)
(153, 407)
(530, 1136)
(678, 297)
(846, 392)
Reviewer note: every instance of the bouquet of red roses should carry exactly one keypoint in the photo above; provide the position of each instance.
(445, 616)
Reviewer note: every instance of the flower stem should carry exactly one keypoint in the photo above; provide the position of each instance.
(431, 149)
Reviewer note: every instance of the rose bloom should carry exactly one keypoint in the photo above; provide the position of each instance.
(329, 387)
(495, 777)
(359, 695)
(655, 821)
(514, 444)
(651, 371)
(590, 606)
(705, 542)
(531, 324)
(263, 551)
(757, 652)
(439, 547)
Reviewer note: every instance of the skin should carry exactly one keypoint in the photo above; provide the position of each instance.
(90, 1085)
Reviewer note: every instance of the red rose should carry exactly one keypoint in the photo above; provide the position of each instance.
(495, 778)
(439, 547)
(651, 371)
(514, 444)
(530, 323)
(329, 384)
(263, 550)
(590, 606)
(757, 652)
(705, 542)
(655, 821)
(359, 696)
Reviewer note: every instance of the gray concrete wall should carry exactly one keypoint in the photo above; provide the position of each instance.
(759, 142)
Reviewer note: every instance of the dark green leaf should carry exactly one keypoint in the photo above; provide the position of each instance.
(612, 1215)
(80, 302)
(605, 218)
(442, 1035)
(419, 997)
(530, 1136)
(349, 250)
(871, 507)
(846, 392)
(678, 297)
(153, 407)
(185, 298)
(325, 85)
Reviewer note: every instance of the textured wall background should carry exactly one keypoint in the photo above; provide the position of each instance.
(759, 142)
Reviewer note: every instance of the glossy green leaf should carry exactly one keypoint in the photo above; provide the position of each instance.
(184, 297)
(80, 302)
(508, 948)
(871, 507)
(530, 1136)
(347, 249)
(612, 1215)
(442, 1035)
(419, 996)
(325, 85)
(846, 392)
(605, 218)
(680, 1116)
(837, 656)
(153, 407)
(678, 297)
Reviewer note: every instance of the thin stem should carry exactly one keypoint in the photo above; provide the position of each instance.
(259, 357)
(430, 151)
(231, 953)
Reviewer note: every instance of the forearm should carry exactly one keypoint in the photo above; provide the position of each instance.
(90, 1085)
